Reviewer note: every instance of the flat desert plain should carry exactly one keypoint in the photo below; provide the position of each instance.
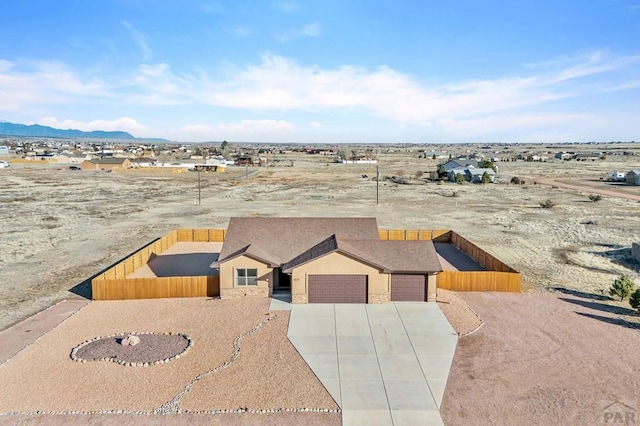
(60, 227)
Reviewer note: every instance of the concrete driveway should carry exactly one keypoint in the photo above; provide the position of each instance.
(383, 364)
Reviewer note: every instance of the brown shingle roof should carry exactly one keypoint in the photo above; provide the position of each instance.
(285, 238)
(389, 256)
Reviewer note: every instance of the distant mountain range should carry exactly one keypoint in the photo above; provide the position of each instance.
(36, 130)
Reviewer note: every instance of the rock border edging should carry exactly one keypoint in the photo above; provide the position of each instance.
(76, 358)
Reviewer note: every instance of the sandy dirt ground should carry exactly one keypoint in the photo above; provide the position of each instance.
(61, 227)
(543, 360)
(266, 374)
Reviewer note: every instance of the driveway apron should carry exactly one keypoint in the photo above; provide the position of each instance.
(383, 364)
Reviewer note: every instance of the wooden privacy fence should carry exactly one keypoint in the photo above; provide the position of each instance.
(155, 288)
(409, 234)
(113, 284)
(479, 281)
(497, 277)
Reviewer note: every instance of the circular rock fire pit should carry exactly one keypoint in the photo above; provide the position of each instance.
(133, 349)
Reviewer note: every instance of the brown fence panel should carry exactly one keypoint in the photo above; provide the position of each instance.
(483, 258)
(442, 238)
(110, 274)
(425, 235)
(201, 235)
(411, 234)
(156, 247)
(128, 266)
(383, 234)
(185, 235)
(216, 235)
(154, 288)
(439, 232)
(396, 234)
(213, 286)
(479, 281)
(119, 268)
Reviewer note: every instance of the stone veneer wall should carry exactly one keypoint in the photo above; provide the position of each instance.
(378, 298)
(233, 293)
(299, 298)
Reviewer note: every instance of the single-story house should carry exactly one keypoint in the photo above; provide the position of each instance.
(475, 174)
(633, 177)
(472, 174)
(584, 156)
(144, 162)
(445, 168)
(454, 172)
(107, 163)
(72, 158)
(324, 260)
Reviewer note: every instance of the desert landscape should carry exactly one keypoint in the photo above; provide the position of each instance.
(61, 227)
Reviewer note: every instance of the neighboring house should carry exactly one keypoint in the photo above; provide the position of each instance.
(453, 172)
(324, 260)
(617, 177)
(108, 163)
(144, 162)
(4, 150)
(445, 168)
(633, 177)
(474, 175)
(72, 158)
(584, 156)
(564, 155)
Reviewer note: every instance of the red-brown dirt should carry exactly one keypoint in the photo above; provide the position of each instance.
(543, 360)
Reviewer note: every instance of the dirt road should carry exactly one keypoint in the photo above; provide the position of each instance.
(586, 188)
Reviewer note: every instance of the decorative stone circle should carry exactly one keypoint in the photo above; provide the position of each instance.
(130, 340)
(133, 349)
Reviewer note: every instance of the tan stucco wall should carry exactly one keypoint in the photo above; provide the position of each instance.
(227, 278)
(432, 287)
(337, 263)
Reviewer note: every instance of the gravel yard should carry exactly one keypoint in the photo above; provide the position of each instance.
(461, 317)
(543, 360)
(259, 371)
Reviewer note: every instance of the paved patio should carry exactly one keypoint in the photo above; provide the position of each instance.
(383, 364)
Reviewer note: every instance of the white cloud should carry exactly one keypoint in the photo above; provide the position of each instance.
(315, 124)
(44, 83)
(125, 124)
(288, 6)
(214, 8)
(244, 130)
(277, 84)
(243, 31)
(310, 30)
(140, 39)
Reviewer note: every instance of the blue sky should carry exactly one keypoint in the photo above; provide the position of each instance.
(326, 71)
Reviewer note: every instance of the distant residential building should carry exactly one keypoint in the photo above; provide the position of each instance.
(584, 156)
(445, 168)
(143, 162)
(4, 150)
(633, 177)
(564, 155)
(108, 163)
(474, 175)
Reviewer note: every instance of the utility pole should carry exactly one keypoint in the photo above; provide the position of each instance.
(199, 199)
(377, 184)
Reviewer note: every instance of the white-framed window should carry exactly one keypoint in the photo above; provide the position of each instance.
(246, 276)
